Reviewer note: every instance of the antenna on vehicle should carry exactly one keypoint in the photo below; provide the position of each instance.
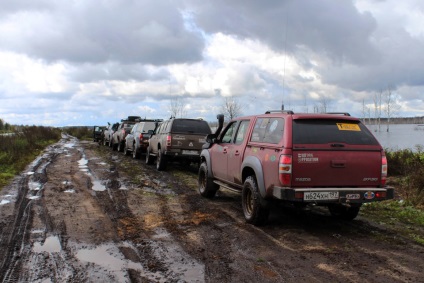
(284, 64)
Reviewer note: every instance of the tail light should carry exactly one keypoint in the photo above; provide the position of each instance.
(285, 170)
(383, 170)
(168, 140)
(141, 137)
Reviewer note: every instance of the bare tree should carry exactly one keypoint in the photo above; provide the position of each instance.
(305, 104)
(177, 107)
(323, 105)
(391, 105)
(365, 111)
(377, 98)
(231, 108)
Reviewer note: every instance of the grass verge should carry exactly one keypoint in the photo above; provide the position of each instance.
(21, 148)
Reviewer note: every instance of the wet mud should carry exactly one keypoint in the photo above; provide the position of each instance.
(84, 213)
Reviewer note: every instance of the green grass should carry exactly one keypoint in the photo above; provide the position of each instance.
(393, 210)
(401, 216)
(18, 150)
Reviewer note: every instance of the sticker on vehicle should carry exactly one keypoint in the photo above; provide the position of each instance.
(353, 196)
(348, 127)
(179, 137)
(307, 158)
(369, 195)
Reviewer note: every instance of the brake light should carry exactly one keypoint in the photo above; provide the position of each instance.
(168, 140)
(383, 170)
(285, 170)
(380, 195)
(141, 137)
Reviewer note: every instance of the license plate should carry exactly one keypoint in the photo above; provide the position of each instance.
(320, 195)
(191, 152)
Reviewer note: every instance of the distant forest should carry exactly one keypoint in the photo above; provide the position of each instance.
(397, 120)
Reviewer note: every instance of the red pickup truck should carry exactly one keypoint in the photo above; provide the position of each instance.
(331, 160)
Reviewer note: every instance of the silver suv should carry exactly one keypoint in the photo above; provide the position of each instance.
(137, 141)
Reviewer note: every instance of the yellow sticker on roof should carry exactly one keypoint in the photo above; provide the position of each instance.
(348, 127)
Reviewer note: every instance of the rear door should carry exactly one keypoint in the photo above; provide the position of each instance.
(188, 135)
(266, 144)
(236, 152)
(334, 153)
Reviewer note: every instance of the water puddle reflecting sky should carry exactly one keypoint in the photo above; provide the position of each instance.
(50, 245)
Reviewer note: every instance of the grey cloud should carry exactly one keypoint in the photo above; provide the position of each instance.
(115, 71)
(150, 32)
(402, 64)
(331, 28)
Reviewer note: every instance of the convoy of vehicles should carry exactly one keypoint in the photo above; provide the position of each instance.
(298, 159)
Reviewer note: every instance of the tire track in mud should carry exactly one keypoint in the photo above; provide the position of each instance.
(14, 234)
(114, 219)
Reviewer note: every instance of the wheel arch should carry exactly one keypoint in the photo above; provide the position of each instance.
(252, 166)
(205, 156)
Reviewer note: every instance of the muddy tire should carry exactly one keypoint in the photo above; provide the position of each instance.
(149, 158)
(135, 152)
(160, 161)
(207, 188)
(254, 210)
(120, 146)
(344, 212)
(126, 151)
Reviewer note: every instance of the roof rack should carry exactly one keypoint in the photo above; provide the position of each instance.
(279, 111)
(338, 113)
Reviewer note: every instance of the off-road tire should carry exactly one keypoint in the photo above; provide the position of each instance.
(160, 161)
(344, 212)
(254, 210)
(207, 188)
(126, 151)
(120, 146)
(135, 152)
(149, 158)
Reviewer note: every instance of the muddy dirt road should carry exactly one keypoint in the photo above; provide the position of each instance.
(84, 213)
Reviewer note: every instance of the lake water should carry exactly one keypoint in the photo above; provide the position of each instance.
(401, 136)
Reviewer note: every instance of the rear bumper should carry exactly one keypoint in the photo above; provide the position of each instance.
(180, 154)
(345, 195)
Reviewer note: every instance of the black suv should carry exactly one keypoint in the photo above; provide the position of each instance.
(177, 139)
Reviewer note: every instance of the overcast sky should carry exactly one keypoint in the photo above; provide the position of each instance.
(86, 62)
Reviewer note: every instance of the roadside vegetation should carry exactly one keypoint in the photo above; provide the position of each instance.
(21, 146)
(405, 213)
(82, 133)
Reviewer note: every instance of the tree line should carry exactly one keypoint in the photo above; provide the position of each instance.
(4, 126)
